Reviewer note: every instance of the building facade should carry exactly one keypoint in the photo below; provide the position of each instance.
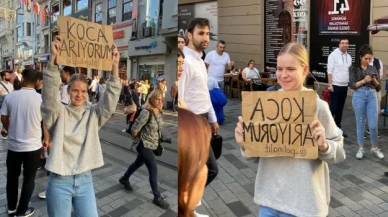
(152, 47)
(117, 13)
(7, 37)
(42, 38)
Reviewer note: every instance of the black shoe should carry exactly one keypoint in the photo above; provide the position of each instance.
(42, 163)
(367, 131)
(364, 136)
(4, 134)
(161, 203)
(344, 135)
(126, 184)
(30, 211)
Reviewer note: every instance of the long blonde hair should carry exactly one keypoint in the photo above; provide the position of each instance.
(151, 98)
(297, 50)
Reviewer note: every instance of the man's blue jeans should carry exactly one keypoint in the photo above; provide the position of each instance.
(365, 105)
(269, 212)
(63, 192)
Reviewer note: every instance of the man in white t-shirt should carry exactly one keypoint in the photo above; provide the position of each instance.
(66, 73)
(93, 87)
(217, 62)
(5, 88)
(21, 117)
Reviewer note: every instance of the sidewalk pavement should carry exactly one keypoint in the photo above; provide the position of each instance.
(112, 199)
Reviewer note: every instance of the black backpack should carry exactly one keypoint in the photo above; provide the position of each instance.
(17, 84)
(129, 125)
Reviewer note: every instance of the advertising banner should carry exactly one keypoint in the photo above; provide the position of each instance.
(332, 20)
(284, 21)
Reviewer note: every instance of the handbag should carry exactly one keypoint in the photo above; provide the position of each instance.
(131, 108)
(159, 150)
(216, 144)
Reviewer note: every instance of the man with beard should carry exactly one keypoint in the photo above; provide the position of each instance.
(192, 86)
(5, 88)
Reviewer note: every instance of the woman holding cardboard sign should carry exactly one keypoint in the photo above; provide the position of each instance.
(76, 148)
(290, 186)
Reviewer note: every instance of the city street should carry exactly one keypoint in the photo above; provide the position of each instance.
(358, 188)
(112, 199)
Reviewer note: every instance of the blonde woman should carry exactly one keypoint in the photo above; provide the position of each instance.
(297, 187)
(147, 131)
(76, 148)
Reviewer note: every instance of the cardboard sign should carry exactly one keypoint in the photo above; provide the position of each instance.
(85, 44)
(277, 123)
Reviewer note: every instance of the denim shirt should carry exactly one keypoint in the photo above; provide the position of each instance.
(356, 74)
(151, 132)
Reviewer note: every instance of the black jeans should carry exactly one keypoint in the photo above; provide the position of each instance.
(30, 161)
(145, 156)
(212, 167)
(211, 163)
(337, 103)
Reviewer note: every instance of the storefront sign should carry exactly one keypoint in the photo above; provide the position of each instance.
(278, 124)
(85, 44)
(146, 47)
(186, 14)
(285, 21)
(119, 34)
(332, 20)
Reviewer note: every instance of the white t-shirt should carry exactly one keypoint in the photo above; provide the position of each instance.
(65, 97)
(212, 83)
(23, 109)
(217, 64)
(251, 74)
(3, 91)
(93, 85)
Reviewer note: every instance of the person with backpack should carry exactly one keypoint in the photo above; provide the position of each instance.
(147, 133)
(76, 148)
(5, 88)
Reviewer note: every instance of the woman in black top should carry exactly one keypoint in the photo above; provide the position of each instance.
(364, 80)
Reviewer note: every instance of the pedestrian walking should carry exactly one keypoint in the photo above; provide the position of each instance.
(5, 88)
(147, 131)
(364, 80)
(101, 87)
(288, 186)
(338, 65)
(21, 117)
(192, 86)
(174, 94)
(76, 148)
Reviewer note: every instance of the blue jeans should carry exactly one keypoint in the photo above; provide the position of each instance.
(221, 85)
(365, 105)
(269, 212)
(77, 190)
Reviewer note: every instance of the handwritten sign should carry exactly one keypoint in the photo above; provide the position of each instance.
(277, 123)
(85, 44)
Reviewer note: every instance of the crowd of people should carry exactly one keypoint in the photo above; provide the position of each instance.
(287, 193)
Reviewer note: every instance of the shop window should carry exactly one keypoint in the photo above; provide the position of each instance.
(150, 13)
(127, 10)
(98, 13)
(81, 4)
(285, 21)
(66, 5)
(111, 12)
(55, 12)
(151, 73)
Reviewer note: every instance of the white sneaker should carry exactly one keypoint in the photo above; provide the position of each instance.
(11, 212)
(377, 152)
(199, 215)
(360, 154)
(42, 195)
